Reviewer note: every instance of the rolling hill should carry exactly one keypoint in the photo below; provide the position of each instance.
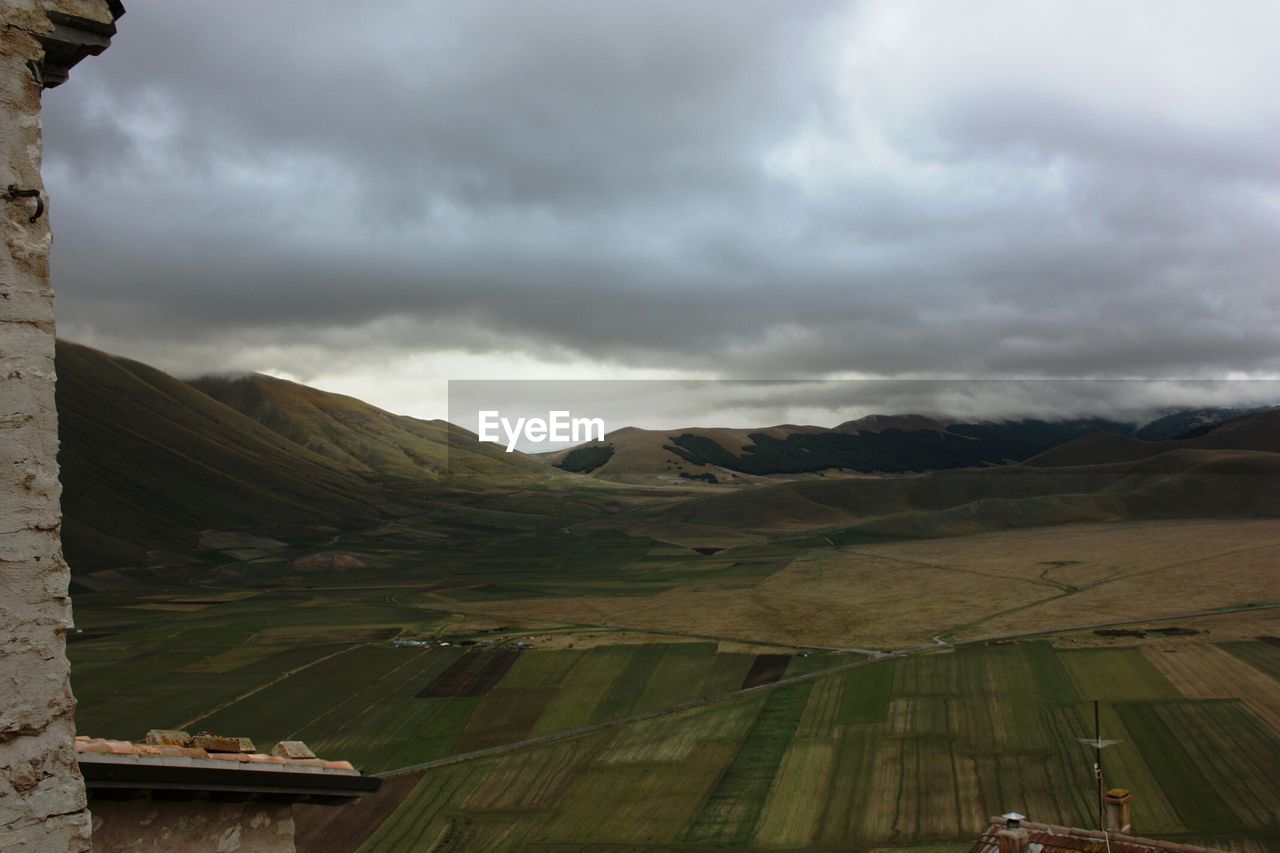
(877, 443)
(362, 437)
(1259, 430)
(152, 463)
(1233, 472)
(1190, 423)
(148, 462)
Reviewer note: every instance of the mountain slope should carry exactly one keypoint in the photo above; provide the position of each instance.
(148, 462)
(363, 437)
(1190, 423)
(1174, 484)
(1232, 471)
(905, 443)
(1256, 431)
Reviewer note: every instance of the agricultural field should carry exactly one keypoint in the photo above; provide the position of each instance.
(912, 751)
(568, 687)
(349, 691)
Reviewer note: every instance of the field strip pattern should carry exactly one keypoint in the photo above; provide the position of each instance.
(1208, 672)
(905, 750)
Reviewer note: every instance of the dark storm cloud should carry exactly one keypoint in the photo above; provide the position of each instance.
(762, 189)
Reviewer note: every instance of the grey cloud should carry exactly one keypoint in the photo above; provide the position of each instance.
(675, 404)
(685, 186)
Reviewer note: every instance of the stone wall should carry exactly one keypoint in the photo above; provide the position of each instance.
(42, 799)
(140, 826)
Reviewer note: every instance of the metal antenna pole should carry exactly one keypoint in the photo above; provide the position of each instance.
(1098, 745)
(1097, 761)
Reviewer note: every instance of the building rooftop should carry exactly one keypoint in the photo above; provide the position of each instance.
(173, 762)
(79, 30)
(1048, 838)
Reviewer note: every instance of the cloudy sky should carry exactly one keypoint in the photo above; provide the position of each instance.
(377, 197)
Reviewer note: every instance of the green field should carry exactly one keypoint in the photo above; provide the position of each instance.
(347, 692)
(916, 751)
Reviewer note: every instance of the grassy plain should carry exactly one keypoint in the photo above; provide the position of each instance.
(903, 593)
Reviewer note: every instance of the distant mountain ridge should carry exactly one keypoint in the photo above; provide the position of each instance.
(1190, 423)
(361, 436)
(151, 464)
(1233, 472)
(874, 444)
(1259, 431)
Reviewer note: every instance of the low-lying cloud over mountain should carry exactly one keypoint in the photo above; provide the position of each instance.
(373, 198)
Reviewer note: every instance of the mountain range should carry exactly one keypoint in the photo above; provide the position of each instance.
(885, 444)
(151, 464)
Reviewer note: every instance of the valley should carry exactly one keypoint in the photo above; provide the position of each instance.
(544, 660)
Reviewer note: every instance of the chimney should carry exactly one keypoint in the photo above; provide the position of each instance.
(1013, 838)
(1116, 807)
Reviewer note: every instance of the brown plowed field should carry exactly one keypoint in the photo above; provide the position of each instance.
(472, 675)
(765, 670)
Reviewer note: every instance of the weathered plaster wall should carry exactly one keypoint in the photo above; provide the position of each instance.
(195, 825)
(42, 800)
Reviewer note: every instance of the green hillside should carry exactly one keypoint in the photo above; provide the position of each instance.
(148, 462)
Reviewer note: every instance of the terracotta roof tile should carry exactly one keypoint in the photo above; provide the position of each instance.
(219, 743)
(170, 747)
(168, 737)
(292, 749)
(92, 745)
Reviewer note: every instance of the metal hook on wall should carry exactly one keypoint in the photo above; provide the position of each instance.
(15, 193)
